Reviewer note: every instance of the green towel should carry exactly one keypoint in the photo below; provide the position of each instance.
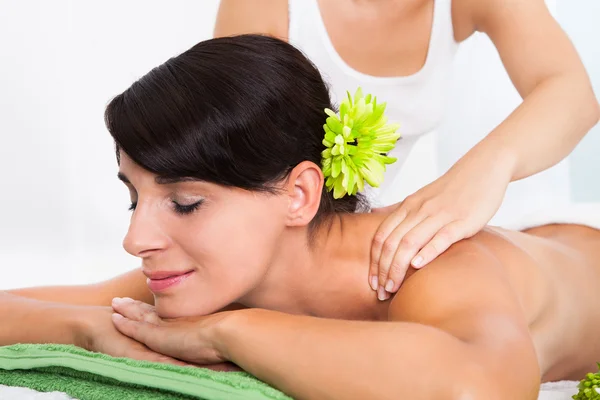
(96, 376)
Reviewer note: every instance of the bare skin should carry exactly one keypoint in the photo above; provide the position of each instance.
(554, 271)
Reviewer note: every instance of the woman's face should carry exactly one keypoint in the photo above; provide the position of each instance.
(203, 246)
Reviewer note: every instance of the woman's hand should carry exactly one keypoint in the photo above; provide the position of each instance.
(426, 223)
(189, 339)
(100, 335)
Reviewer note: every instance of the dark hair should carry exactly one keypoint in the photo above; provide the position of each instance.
(238, 111)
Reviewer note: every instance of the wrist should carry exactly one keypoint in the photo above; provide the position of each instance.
(227, 329)
(81, 325)
(61, 324)
(491, 158)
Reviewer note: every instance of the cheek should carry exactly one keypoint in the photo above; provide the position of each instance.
(246, 235)
(232, 244)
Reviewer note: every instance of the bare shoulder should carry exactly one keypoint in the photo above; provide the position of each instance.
(467, 293)
(482, 15)
(236, 17)
(470, 16)
(462, 291)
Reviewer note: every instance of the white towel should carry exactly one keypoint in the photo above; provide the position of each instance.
(587, 214)
(19, 393)
(563, 390)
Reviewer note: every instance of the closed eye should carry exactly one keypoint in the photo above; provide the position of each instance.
(185, 209)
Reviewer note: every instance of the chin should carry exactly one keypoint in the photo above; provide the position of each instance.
(183, 306)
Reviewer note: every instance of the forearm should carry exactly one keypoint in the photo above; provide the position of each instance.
(544, 129)
(33, 321)
(332, 359)
(130, 284)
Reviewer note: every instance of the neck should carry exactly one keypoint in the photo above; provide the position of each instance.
(329, 277)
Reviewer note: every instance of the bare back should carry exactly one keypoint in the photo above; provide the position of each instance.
(555, 271)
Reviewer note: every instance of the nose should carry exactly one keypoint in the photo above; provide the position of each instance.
(145, 235)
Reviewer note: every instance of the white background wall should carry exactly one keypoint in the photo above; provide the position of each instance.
(62, 211)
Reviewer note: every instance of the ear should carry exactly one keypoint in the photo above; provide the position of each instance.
(304, 186)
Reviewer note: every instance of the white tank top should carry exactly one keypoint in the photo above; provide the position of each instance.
(417, 102)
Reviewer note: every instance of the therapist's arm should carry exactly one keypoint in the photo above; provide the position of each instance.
(238, 17)
(559, 106)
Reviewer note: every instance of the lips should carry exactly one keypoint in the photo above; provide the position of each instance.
(161, 280)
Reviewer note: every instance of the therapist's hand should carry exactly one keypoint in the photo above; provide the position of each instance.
(190, 339)
(456, 206)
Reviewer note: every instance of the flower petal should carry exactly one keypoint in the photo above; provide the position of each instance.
(336, 167)
(338, 189)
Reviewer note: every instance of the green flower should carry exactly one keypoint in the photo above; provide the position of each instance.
(357, 142)
(589, 387)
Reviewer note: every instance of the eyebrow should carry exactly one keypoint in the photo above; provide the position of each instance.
(161, 180)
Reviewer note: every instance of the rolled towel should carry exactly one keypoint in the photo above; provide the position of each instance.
(94, 376)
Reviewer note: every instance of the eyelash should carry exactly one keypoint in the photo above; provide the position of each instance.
(179, 208)
(186, 209)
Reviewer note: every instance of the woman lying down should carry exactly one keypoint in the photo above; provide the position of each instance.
(222, 149)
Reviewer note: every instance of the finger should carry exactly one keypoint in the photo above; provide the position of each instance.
(135, 310)
(411, 243)
(391, 245)
(157, 338)
(137, 330)
(446, 237)
(383, 232)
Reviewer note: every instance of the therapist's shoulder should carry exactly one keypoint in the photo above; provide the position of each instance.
(491, 16)
(236, 17)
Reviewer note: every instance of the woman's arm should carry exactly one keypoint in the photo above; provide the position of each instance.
(61, 310)
(456, 331)
(312, 358)
(130, 284)
(32, 321)
(78, 315)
